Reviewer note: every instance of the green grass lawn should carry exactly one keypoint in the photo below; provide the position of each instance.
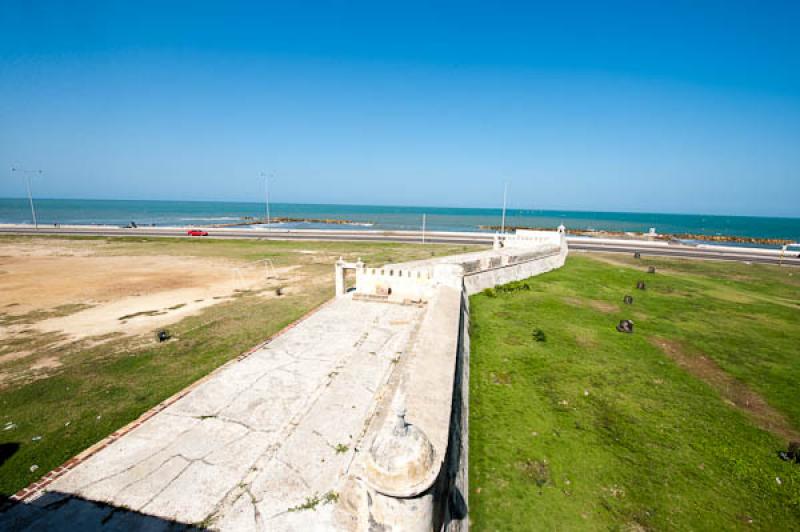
(100, 389)
(674, 427)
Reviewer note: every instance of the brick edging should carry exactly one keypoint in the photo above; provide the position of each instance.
(36, 489)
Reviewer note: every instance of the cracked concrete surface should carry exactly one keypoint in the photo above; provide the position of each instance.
(265, 443)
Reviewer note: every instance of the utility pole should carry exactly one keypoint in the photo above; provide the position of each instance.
(505, 195)
(27, 174)
(423, 228)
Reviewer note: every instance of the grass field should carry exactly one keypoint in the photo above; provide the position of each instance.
(674, 427)
(97, 385)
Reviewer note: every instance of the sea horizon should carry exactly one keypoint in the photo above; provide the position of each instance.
(168, 213)
(416, 207)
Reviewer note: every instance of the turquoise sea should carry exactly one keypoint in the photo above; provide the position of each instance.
(180, 213)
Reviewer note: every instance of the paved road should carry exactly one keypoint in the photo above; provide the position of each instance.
(340, 235)
(687, 252)
(677, 250)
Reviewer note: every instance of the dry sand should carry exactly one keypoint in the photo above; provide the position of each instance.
(124, 294)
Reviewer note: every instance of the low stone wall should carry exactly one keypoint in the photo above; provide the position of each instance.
(527, 266)
(527, 238)
(394, 283)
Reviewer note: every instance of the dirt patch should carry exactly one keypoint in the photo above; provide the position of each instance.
(54, 248)
(46, 363)
(502, 378)
(16, 355)
(75, 291)
(45, 282)
(616, 260)
(601, 306)
(39, 315)
(574, 301)
(585, 338)
(627, 261)
(514, 339)
(535, 470)
(732, 391)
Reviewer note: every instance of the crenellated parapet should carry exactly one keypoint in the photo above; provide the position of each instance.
(394, 284)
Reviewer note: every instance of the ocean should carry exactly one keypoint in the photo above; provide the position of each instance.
(182, 213)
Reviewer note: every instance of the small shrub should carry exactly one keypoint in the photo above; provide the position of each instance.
(539, 335)
(515, 286)
(341, 448)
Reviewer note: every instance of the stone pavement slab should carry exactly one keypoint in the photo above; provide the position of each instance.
(264, 443)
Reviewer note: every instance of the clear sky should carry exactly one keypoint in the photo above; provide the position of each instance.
(645, 106)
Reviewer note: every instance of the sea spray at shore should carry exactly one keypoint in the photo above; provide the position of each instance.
(182, 213)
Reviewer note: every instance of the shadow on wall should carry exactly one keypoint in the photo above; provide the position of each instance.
(59, 511)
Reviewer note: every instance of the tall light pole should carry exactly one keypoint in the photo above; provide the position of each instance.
(266, 195)
(423, 228)
(27, 174)
(505, 195)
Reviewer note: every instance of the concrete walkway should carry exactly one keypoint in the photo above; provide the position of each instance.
(263, 444)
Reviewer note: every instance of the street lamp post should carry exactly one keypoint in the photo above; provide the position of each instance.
(503, 221)
(27, 174)
(266, 196)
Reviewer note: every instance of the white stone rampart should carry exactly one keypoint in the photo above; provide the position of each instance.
(413, 474)
(521, 267)
(520, 257)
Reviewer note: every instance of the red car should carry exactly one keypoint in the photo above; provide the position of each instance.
(196, 232)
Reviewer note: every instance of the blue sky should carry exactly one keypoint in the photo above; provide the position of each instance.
(641, 106)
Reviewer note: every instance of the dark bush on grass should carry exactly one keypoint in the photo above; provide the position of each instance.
(510, 288)
(539, 335)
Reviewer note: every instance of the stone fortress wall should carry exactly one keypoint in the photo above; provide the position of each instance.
(413, 471)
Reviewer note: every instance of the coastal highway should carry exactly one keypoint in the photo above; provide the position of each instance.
(686, 252)
(581, 244)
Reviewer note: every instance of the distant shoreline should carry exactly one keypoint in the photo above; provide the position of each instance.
(429, 208)
(160, 213)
